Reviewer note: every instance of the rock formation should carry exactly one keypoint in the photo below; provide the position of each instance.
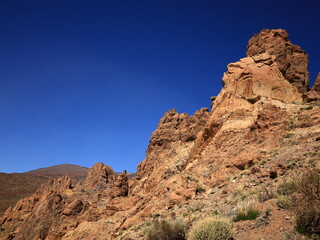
(169, 146)
(314, 93)
(258, 130)
(291, 59)
(58, 207)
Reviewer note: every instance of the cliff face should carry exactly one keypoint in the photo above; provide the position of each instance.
(259, 129)
(169, 147)
(291, 59)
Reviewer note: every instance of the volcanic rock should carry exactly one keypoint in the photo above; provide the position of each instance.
(169, 146)
(254, 77)
(314, 93)
(316, 85)
(291, 59)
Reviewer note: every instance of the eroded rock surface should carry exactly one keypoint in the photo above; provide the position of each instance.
(314, 93)
(291, 59)
(170, 145)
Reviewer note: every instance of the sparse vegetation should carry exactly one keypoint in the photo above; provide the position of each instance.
(289, 135)
(310, 107)
(306, 202)
(265, 195)
(212, 228)
(284, 201)
(247, 215)
(156, 215)
(200, 189)
(190, 178)
(247, 210)
(292, 235)
(173, 229)
(286, 187)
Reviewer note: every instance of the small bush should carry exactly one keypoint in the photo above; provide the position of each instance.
(286, 187)
(265, 194)
(247, 210)
(174, 229)
(306, 202)
(284, 201)
(212, 228)
(200, 189)
(249, 215)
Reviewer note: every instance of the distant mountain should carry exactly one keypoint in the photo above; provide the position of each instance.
(74, 171)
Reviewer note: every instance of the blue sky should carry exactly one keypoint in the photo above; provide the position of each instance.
(87, 81)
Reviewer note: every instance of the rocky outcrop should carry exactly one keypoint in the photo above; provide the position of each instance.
(169, 146)
(316, 85)
(33, 217)
(178, 127)
(121, 185)
(254, 77)
(291, 59)
(58, 207)
(314, 93)
(99, 176)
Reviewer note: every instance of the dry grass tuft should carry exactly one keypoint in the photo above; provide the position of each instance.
(174, 229)
(212, 228)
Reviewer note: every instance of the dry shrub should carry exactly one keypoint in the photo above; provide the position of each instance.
(211, 228)
(174, 229)
(292, 235)
(284, 201)
(306, 202)
(247, 210)
(286, 187)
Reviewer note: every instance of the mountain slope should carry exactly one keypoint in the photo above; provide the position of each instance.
(262, 128)
(74, 171)
(16, 186)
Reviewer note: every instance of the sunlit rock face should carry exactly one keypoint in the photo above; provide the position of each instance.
(291, 59)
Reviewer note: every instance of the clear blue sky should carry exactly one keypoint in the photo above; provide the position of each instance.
(87, 81)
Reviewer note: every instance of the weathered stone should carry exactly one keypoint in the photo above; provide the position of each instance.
(314, 93)
(291, 59)
(99, 175)
(316, 85)
(121, 185)
(254, 77)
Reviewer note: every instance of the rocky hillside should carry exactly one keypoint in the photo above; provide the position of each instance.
(16, 186)
(263, 127)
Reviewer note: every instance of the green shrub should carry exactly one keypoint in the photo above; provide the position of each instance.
(200, 189)
(248, 215)
(306, 202)
(174, 229)
(211, 228)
